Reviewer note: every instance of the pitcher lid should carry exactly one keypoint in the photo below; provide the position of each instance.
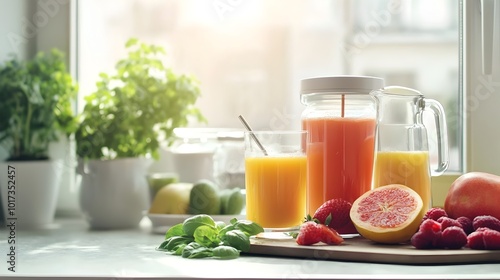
(398, 90)
(344, 84)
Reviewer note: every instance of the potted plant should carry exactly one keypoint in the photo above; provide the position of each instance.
(121, 127)
(36, 109)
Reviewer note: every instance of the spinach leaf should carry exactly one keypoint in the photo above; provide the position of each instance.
(175, 241)
(248, 227)
(225, 252)
(163, 245)
(237, 239)
(192, 223)
(225, 229)
(220, 225)
(206, 236)
(174, 231)
(194, 250)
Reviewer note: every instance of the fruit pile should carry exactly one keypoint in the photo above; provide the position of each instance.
(438, 231)
(203, 197)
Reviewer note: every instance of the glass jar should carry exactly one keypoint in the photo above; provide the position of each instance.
(192, 153)
(340, 117)
(229, 160)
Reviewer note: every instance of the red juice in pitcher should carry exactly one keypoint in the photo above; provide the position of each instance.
(339, 159)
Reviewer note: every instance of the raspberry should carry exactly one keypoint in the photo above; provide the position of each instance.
(448, 222)
(435, 213)
(421, 241)
(428, 235)
(491, 239)
(486, 221)
(453, 237)
(475, 240)
(430, 227)
(466, 224)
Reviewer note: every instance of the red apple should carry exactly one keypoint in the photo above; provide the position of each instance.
(474, 194)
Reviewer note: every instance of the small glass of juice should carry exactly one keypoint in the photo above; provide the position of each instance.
(275, 178)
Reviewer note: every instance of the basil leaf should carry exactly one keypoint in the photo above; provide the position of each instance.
(192, 223)
(248, 227)
(220, 225)
(206, 236)
(225, 252)
(179, 249)
(174, 231)
(237, 239)
(194, 250)
(163, 245)
(175, 241)
(225, 229)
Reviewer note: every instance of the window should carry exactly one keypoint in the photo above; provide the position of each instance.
(251, 55)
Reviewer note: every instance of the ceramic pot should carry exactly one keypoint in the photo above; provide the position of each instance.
(29, 191)
(114, 193)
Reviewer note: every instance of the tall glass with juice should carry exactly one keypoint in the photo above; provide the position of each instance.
(275, 178)
(402, 150)
(340, 118)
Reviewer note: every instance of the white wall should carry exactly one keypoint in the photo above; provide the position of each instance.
(14, 33)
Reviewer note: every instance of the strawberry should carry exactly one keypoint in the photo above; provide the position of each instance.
(329, 235)
(334, 213)
(311, 233)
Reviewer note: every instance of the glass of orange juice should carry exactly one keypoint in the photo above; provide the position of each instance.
(275, 177)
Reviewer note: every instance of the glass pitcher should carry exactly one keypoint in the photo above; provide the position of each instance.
(402, 150)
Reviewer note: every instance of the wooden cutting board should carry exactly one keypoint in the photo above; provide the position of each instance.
(362, 250)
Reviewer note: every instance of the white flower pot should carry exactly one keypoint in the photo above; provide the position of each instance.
(29, 192)
(114, 193)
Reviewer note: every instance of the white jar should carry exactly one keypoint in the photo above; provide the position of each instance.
(192, 154)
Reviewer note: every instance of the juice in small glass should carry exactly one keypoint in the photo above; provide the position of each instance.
(276, 181)
(409, 168)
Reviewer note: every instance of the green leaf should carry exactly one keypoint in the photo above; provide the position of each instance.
(175, 230)
(194, 250)
(206, 236)
(248, 227)
(225, 252)
(175, 241)
(237, 239)
(192, 223)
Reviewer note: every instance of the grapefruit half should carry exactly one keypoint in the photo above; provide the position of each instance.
(390, 214)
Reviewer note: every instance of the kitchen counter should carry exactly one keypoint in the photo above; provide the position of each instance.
(70, 250)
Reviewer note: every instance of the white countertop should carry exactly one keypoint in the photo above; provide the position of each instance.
(71, 250)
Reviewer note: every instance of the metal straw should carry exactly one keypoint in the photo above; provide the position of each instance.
(247, 126)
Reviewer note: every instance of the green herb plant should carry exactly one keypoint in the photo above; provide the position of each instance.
(36, 105)
(200, 236)
(137, 107)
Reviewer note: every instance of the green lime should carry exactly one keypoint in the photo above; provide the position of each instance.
(204, 198)
(156, 181)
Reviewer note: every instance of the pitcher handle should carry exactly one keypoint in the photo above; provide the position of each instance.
(442, 135)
